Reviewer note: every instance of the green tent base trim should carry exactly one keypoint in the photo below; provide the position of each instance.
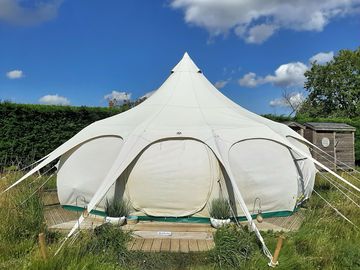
(81, 209)
(190, 219)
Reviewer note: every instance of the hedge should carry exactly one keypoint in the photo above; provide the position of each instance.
(29, 132)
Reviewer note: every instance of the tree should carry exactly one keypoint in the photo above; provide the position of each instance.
(293, 100)
(290, 100)
(334, 88)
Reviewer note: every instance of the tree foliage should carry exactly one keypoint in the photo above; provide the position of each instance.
(334, 88)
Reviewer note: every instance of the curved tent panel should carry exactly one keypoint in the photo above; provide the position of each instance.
(172, 178)
(82, 169)
(265, 170)
(307, 166)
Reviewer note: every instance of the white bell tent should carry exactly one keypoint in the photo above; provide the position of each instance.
(182, 147)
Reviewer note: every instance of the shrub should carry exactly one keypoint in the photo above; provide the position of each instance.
(220, 208)
(117, 208)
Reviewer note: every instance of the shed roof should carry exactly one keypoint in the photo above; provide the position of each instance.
(325, 126)
(294, 124)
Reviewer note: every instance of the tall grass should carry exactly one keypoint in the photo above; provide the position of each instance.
(325, 240)
(105, 248)
(21, 220)
(233, 247)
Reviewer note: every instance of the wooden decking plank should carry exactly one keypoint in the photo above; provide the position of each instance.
(175, 245)
(210, 244)
(202, 245)
(147, 244)
(138, 244)
(184, 245)
(130, 244)
(50, 217)
(55, 217)
(165, 244)
(59, 216)
(193, 246)
(156, 245)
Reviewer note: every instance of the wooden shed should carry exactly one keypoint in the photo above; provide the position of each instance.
(336, 139)
(299, 128)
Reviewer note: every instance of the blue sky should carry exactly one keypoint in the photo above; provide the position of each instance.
(77, 52)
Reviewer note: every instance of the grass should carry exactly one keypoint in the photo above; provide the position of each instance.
(324, 241)
(234, 246)
(21, 220)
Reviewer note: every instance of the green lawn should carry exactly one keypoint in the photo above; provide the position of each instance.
(324, 241)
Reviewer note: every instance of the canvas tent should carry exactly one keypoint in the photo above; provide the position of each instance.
(179, 149)
(164, 155)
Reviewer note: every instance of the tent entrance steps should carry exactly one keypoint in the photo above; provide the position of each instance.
(170, 237)
(170, 245)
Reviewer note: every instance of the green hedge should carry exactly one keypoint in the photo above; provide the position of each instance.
(29, 132)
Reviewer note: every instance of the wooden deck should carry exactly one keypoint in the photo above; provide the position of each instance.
(55, 215)
(170, 237)
(151, 236)
(170, 245)
(287, 224)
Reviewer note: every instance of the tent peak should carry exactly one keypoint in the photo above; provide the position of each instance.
(186, 64)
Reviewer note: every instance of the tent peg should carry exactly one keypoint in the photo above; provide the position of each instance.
(42, 245)
(274, 262)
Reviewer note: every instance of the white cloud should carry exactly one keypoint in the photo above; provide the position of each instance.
(250, 80)
(221, 84)
(54, 100)
(15, 74)
(244, 17)
(277, 102)
(259, 33)
(322, 58)
(118, 96)
(286, 75)
(17, 13)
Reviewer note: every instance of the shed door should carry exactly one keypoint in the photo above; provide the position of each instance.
(344, 147)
